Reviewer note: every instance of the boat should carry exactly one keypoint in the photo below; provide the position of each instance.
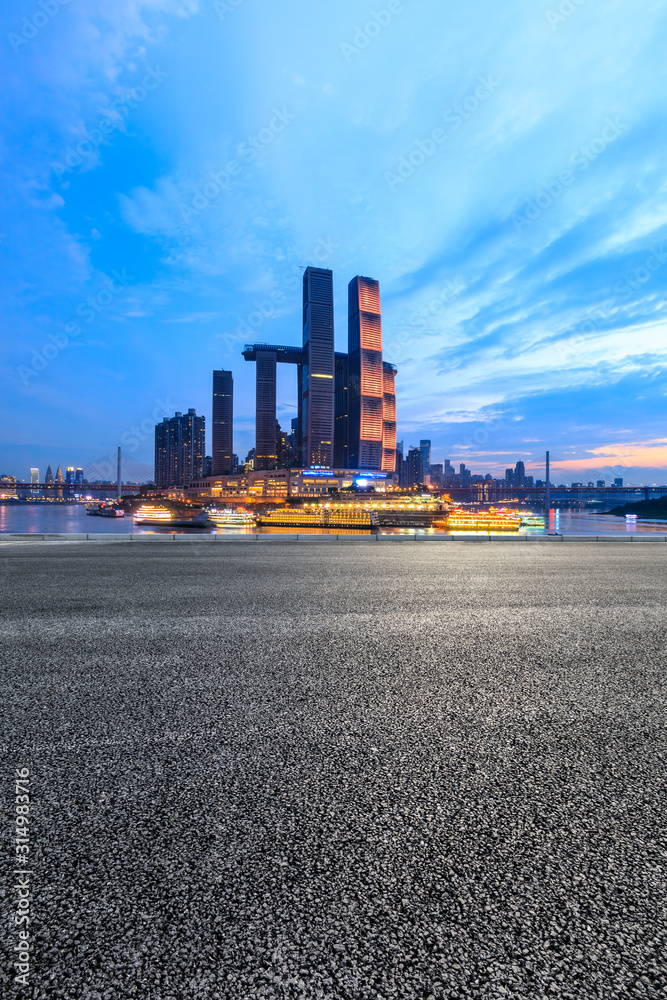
(460, 520)
(232, 517)
(93, 509)
(532, 520)
(319, 517)
(111, 512)
(165, 517)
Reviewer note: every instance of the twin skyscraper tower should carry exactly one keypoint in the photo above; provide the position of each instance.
(346, 402)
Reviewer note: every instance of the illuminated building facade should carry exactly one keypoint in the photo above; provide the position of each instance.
(179, 449)
(365, 393)
(222, 423)
(346, 401)
(388, 417)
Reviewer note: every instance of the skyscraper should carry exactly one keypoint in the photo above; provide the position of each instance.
(179, 449)
(340, 410)
(366, 380)
(388, 417)
(415, 467)
(425, 448)
(49, 475)
(316, 421)
(223, 416)
(519, 474)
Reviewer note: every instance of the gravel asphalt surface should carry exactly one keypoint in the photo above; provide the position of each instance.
(302, 770)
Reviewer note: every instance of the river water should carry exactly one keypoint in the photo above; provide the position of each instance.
(46, 518)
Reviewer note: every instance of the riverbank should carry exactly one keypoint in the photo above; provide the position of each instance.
(654, 509)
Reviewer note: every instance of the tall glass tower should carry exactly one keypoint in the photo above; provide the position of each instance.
(317, 369)
(223, 415)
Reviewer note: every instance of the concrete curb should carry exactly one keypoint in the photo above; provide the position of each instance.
(248, 538)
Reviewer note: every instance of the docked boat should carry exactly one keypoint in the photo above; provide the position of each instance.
(111, 512)
(460, 520)
(319, 517)
(232, 517)
(532, 520)
(93, 509)
(164, 517)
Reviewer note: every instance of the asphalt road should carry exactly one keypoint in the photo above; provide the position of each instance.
(302, 770)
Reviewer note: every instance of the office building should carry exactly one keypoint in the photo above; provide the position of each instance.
(600, 483)
(341, 397)
(425, 448)
(179, 449)
(618, 482)
(222, 425)
(366, 383)
(317, 369)
(346, 401)
(48, 478)
(414, 467)
(78, 477)
(388, 417)
(519, 474)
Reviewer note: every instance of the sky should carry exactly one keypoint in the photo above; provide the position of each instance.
(169, 166)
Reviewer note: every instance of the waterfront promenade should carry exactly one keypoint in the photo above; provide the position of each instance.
(340, 770)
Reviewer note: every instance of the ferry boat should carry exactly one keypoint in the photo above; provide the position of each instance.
(319, 517)
(460, 520)
(156, 516)
(111, 512)
(93, 509)
(532, 520)
(232, 517)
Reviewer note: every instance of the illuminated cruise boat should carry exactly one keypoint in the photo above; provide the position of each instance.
(232, 517)
(532, 520)
(319, 517)
(460, 520)
(165, 517)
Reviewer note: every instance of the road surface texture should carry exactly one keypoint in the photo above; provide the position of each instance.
(310, 770)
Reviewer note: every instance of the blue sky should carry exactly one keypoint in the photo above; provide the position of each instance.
(169, 165)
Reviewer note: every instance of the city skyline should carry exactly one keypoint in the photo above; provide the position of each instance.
(522, 307)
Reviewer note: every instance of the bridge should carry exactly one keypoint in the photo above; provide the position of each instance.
(493, 492)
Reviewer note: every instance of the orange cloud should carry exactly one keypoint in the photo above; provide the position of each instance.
(630, 453)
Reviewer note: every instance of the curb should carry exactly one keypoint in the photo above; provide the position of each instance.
(247, 538)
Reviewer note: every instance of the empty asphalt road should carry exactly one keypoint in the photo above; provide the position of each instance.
(299, 770)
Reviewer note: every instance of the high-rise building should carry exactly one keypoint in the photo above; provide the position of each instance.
(59, 479)
(179, 449)
(388, 417)
(618, 482)
(341, 402)
(425, 448)
(366, 381)
(78, 477)
(600, 483)
(34, 479)
(48, 478)
(415, 467)
(519, 474)
(317, 369)
(509, 477)
(223, 416)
